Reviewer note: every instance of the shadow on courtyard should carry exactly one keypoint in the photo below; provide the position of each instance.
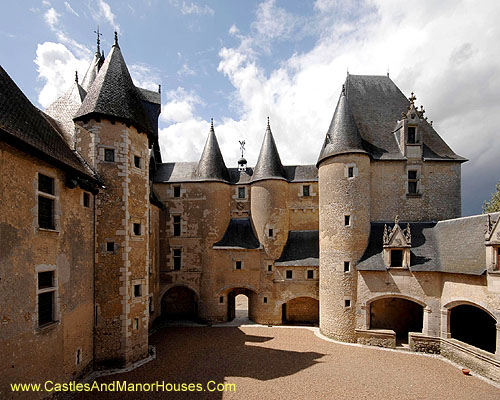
(187, 355)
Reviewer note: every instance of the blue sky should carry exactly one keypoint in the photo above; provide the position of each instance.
(240, 61)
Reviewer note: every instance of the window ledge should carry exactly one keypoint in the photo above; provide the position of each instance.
(48, 230)
(413, 195)
(494, 272)
(46, 327)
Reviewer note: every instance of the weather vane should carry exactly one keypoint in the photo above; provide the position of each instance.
(98, 39)
(242, 147)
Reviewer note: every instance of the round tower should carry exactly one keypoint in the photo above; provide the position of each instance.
(269, 198)
(344, 221)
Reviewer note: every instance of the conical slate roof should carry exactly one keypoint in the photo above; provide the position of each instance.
(93, 70)
(343, 135)
(113, 94)
(64, 109)
(269, 163)
(211, 166)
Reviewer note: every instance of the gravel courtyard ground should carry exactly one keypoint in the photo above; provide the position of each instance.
(291, 363)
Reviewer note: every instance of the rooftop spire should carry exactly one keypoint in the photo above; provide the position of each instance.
(343, 135)
(116, 39)
(269, 163)
(211, 166)
(76, 76)
(98, 50)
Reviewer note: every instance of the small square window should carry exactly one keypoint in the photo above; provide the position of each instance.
(412, 135)
(347, 220)
(289, 274)
(270, 268)
(265, 300)
(137, 229)
(45, 279)
(350, 172)
(347, 303)
(237, 265)
(270, 232)
(306, 190)
(109, 155)
(242, 193)
(221, 299)
(347, 266)
(310, 274)
(137, 161)
(110, 246)
(137, 290)
(86, 199)
(177, 259)
(177, 191)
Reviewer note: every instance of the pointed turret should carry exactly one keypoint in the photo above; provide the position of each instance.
(343, 135)
(211, 166)
(64, 109)
(95, 65)
(269, 163)
(114, 95)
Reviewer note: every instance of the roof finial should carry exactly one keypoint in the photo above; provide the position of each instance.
(76, 76)
(98, 51)
(347, 71)
(412, 98)
(388, 72)
(116, 39)
(343, 90)
(268, 125)
(159, 88)
(212, 124)
(242, 147)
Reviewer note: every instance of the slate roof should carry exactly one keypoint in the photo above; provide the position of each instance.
(239, 235)
(184, 172)
(64, 109)
(269, 163)
(301, 249)
(453, 246)
(22, 124)
(376, 104)
(211, 166)
(93, 70)
(343, 135)
(113, 94)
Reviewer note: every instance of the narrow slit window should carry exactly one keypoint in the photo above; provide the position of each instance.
(289, 274)
(347, 220)
(137, 161)
(306, 190)
(412, 182)
(86, 199)
(350, 172)
(347, 266)
(177, 225)
(221, 299)
(177, 259)
(271, 232)
(177, 191)
(265, 300)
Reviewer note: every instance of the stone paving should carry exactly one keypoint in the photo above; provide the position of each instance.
(291, 363)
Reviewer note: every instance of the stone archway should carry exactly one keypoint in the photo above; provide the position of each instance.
(179, 302)
(239, 304)
(473, 325)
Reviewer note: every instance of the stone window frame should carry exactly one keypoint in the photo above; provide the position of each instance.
(102, 154)
(347, 302)
(172, 252)
(312, 193)
(56, 211)
(291, 274)
(172, 219)
(86, 194)
(417, 141)
(267, 265)
(418, 180)
(54, 289)
(313, 274)
(134, 157)
(350, 220)
(142, 288)
(349, 267)
(242, 265)
(172, 191)
(406, 261)
(271, 227)
(133, 236)
(135, 324)
(236, 195)
(355, 171)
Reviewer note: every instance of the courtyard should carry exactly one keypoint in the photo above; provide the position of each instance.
(290, 363)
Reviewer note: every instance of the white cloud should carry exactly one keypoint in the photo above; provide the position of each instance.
(51, 18)
(187, 8)
(435, 50)
(145, 76)
(180, 106)
(70, 9)
(105, 13)
(56, 67)
(185, 71)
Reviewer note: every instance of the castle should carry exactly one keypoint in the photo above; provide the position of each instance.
(100, 238)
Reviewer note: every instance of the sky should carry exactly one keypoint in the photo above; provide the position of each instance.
(241, 61)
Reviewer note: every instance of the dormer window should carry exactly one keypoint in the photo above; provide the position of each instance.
(496, 266)
(412, 135)
(396, 258)
(397, 245)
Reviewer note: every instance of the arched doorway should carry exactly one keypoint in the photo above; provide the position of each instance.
(474, 326)
(398, 314)
(178, 303)
(239, 304)
(301, 310)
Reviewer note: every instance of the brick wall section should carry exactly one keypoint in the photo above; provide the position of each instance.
(29, 352)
